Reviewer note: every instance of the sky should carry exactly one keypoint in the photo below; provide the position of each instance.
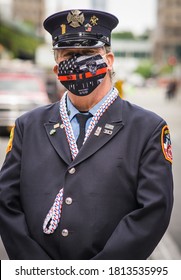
(133, 15)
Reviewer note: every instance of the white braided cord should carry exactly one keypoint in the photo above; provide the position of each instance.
(54, 215)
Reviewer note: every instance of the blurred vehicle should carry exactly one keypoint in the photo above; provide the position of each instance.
(19, 93)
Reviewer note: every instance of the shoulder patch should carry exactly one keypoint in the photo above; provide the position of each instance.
(166, 143)
(10, 143)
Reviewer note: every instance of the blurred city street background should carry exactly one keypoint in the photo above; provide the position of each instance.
(147, 72)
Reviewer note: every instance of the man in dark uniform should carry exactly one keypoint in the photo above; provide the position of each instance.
(88, 177)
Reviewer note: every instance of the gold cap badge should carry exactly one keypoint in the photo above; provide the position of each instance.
(75, 18)
(94, 20)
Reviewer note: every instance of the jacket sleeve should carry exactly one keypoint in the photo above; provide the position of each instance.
(138, 233)
(13, 227)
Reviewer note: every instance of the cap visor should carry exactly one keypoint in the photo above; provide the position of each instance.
(79, 44)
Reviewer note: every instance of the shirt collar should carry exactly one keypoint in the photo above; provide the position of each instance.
(72, 111)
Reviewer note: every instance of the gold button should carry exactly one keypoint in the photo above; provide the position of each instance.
(65, 232)
(72, 170)
(68, 200)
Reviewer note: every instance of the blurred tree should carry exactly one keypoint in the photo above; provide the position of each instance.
(128, 35)
(145, 69)
(19, 42)
(123, 35)
(145, 35)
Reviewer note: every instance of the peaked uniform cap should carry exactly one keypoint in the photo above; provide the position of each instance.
(80, 28)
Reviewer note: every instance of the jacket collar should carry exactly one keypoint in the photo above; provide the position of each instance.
(108, 126)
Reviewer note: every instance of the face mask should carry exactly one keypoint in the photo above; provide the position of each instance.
(82, 74)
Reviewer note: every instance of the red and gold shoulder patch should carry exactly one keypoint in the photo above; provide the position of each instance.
(166, 143)
(10, 143)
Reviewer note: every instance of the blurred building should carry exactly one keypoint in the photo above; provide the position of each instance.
(5, 9)
(138, 49)
(129, 54)
(98, 4)
(167, 39)
(32, 12)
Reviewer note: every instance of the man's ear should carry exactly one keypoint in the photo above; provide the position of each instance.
(55, 69)
(110, 60)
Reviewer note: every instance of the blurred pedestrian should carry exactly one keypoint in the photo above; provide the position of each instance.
(171, 89)
(89, 177)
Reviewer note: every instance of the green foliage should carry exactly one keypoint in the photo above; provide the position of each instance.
(145, 69)
(17, 41)
(145, 35)
(126, 35)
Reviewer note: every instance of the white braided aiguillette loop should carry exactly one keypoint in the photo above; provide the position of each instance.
(68, 128)
(53, 217)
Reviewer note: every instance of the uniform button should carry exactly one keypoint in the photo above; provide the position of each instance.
(68, 200)
(65, 232)
(72, 170)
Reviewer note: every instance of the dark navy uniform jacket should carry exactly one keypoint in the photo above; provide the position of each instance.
(120, 185)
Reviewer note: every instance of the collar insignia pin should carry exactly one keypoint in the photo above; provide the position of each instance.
(107, 131)
(56, 125)
(109, 126)
(62, 126)
(53, 131)
(98, 131)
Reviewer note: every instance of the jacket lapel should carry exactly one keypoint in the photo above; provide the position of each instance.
(56, 134)
(108, 126)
